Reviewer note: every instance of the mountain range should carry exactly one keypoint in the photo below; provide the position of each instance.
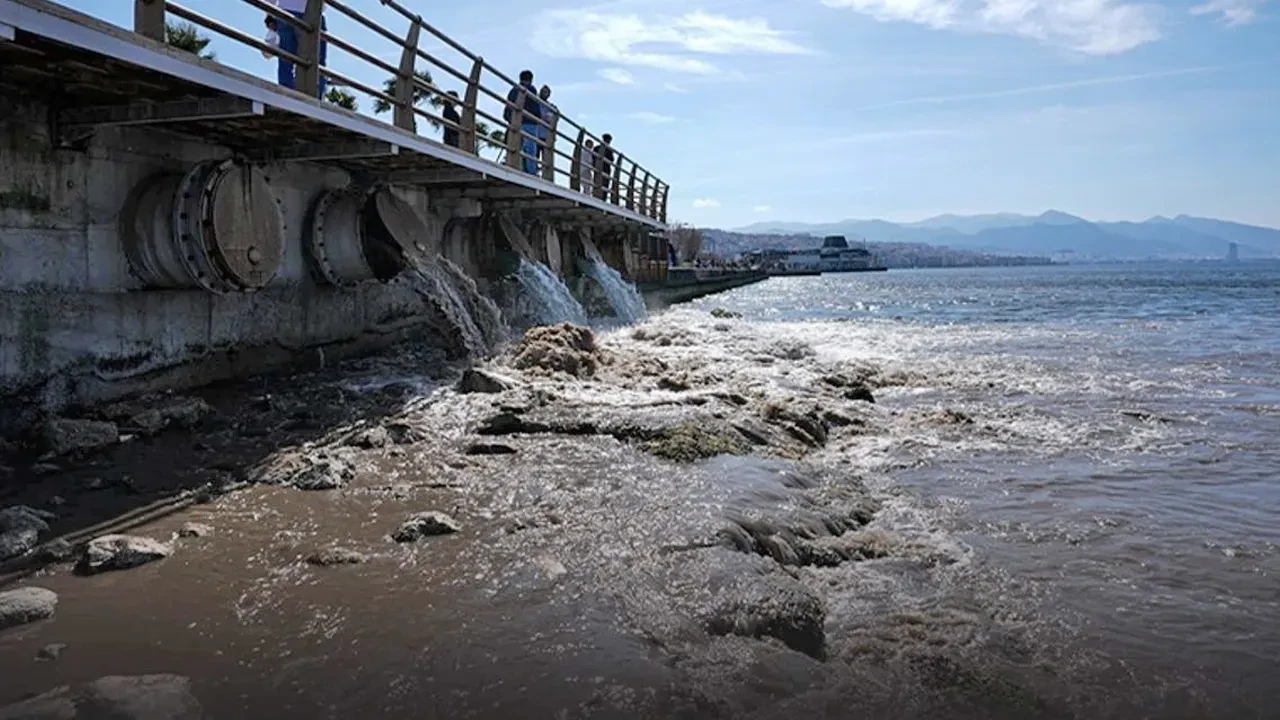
(1055, 234)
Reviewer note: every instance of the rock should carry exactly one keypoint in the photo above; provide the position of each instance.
(185, 412)
(402, 433)
(723, 314)
(26, 605)
(16, 543)
(791, 350)
(58, 550)
(323, 474)
(423, 524)
(57, 501)
(61, 436)
(772, 606)
(336, 556)
(490, 449)
(93, 483)
(147, 422)
(474, 380)
(52, 651)
(564, 348)
(859, 392)
(674, 383)
(690, 442)
(121, 552)
(25, 517)
(45, 468)
(142, 697)
(375, 437)
(805, 425)
(195, 530)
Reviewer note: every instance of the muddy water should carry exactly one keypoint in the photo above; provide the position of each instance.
(1004, 533)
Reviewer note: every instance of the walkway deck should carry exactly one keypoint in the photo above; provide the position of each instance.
(92, 73)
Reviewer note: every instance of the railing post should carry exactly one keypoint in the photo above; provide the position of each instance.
(515, 131)
(631, 187)
(406, 81)
(646, 202)
(662, 213)
(575, 172)
(148, 18)
(468, 136)
(307, 78)
(549, 150)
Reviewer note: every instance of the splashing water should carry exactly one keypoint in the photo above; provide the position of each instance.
(471, 321)
(549, 298)
(623, 297)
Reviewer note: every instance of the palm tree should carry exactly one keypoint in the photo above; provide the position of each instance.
(342, 98)
(486, 138)
(420, 93)
(186, 36)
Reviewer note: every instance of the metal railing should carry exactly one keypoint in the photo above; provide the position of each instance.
(551, 146)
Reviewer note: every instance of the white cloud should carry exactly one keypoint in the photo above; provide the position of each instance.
(664, 43)
(675, 88)
(1234, 12)
(652, 118)
(1093, 27)
(617, 75)
(762, 208)
(701, 203)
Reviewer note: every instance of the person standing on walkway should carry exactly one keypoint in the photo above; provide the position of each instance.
(289, 41)
(604, 166)
(450, 113)
(544, 131)
(528, 121)
(587, 167)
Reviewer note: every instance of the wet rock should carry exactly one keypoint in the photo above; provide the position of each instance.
(674, 383)
(805, 425)
(950, 417)
(424, 524)
(54, 551)
(490, 449)
(26, 605)
(859, 392)
(772, 606)
(92, 484)
(336, 556)
(690, 442)
(475, 380)
(509, 423)
(57, 501)
(324, 474)
(45, 468)
(564, 348)
(25, 517)
(50, 652)
(121, 552)
(376, 437)
(62, 436)
(195, 530)
(402, 433)
(141, 697)
(791, 350)
(723, 314)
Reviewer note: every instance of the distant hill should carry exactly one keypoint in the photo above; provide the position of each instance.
(1056, 234)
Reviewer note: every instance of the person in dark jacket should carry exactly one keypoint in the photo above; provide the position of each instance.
(604, 166)
(450, 113)
(528, 124)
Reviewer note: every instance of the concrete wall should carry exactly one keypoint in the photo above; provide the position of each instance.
(76, 324)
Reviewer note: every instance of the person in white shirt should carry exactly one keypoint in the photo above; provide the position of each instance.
(587, 167)
(287, 40)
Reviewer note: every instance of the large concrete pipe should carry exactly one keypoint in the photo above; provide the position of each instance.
(360, 235)
(218, 227)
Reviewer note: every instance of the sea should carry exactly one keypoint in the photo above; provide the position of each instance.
(1115, 465)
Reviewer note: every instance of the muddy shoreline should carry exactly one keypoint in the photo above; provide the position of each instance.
(638, 525)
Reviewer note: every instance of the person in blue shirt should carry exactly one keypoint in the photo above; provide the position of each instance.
(544, 131)
(528, 122)
(289, 41)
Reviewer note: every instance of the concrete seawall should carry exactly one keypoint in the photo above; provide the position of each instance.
(685, 284)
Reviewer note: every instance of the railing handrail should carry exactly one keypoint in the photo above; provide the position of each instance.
(555, 136)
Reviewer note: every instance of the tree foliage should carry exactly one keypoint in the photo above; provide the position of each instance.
(188, 37)
(342, 98)
(420, 95)
(687, 241)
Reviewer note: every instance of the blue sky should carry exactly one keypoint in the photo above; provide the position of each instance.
(820, 110)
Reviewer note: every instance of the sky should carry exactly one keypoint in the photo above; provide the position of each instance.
(820, 110)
